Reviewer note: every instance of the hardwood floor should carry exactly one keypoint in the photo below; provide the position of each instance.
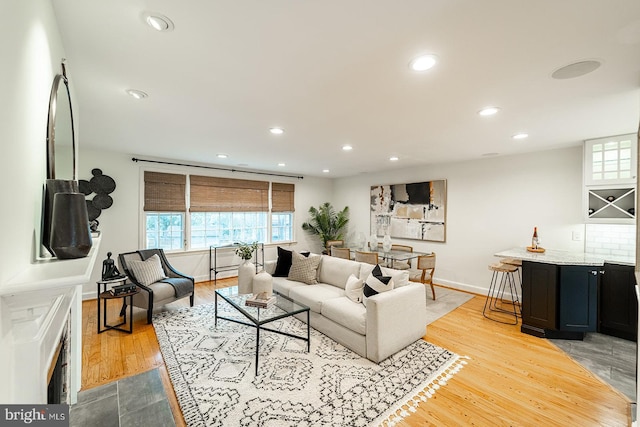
(512, 379)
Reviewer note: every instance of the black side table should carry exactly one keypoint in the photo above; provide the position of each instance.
(103, 295)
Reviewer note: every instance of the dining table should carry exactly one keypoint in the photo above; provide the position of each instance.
(391, 256)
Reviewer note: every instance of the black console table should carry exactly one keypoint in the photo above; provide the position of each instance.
(215, 267)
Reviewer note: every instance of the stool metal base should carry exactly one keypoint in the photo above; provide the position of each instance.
(502, 280)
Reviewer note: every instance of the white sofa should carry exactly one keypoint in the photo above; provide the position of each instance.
(390, 321)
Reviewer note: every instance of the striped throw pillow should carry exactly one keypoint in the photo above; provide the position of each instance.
(148, 271)
(376, 283)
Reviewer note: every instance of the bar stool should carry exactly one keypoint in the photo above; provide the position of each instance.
(517, 263)
(503, 280)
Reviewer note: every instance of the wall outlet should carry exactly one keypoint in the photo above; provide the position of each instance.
(576, 235)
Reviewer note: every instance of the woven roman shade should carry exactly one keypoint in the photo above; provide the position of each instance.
(164, 192)
(282, 199)
(211, 194)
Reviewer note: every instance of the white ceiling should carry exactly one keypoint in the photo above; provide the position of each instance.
(335, 72)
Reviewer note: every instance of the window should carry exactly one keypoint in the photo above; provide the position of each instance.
(164, 230)
(164, 207)
(281, 226)
(221, 211)
(221, 228)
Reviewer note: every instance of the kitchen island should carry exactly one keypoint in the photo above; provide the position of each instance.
(565, 294)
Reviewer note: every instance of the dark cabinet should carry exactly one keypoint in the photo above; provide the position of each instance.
(559, 301)
(539, 297)
(618, 303)
(578, 298)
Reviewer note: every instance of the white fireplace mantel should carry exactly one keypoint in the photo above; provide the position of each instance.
(34, 308)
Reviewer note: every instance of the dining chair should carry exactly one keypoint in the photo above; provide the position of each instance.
(401, 265)
(426, 269)
(340, 252)
(368, 257)
(331, 243)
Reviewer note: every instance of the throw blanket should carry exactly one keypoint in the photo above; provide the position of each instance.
(182, 286)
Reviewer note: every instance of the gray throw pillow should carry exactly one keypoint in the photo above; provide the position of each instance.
(148, 271)
(304, 269)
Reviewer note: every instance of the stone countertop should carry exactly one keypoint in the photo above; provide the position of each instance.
(557, 257)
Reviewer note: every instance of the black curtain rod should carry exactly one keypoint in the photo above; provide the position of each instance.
(216, 168)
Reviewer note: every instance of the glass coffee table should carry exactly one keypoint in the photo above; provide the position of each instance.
(258, 317)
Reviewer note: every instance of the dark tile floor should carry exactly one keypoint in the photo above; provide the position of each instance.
(135, 401)
(611, 359)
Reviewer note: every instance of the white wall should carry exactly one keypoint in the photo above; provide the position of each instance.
(492, 204)
(120, 224)
(31, 50)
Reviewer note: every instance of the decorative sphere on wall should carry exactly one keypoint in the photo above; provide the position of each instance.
(102, 186)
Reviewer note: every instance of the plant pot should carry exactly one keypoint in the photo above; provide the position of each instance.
(246, 272)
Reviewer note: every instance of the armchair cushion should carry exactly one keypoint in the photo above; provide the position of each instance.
(148, 271)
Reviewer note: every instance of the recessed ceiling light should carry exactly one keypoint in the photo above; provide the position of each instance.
(137, 94)
(281, 164)
(488, 111)
(520, 136)
(222, 156)
(393, 158)
(576, 69)
(325, 170)
(423, 63)
(158, 22)
(347, 147)
(276, 131)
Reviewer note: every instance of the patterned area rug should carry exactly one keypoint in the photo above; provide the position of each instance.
(213, 374)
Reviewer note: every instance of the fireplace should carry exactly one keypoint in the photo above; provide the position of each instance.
(41, 330)
(59, 372)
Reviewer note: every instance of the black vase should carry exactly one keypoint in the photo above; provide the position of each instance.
(54, 186)
(70, 234)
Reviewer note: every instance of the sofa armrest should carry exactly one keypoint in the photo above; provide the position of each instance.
(270, 266)
(395, 319)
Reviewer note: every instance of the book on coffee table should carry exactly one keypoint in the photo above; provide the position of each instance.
(260, 300)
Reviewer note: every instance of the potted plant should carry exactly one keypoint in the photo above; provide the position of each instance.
(327, 223)
(246, 270)
(246, 250)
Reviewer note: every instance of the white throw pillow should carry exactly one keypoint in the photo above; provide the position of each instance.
(353, 288)
(304, 269)
(148, 271)
(376, 283)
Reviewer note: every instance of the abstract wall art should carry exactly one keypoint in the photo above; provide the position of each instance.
(410, 211)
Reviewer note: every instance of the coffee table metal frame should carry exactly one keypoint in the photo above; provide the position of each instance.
(258, 317)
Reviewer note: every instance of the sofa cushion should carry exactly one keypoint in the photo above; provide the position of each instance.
(353, 288)
(335, 271)
(313, 296)
(347, 313)
(400, 277)
(283, 265)
(148, 271)
(284, 285)
(376, 283)
(304, 269)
